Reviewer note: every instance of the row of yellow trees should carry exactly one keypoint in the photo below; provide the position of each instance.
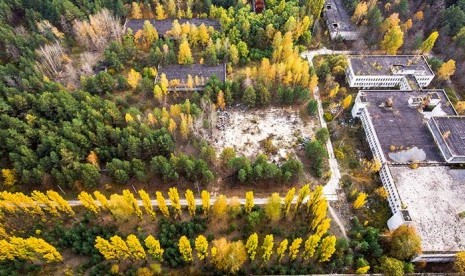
(225, 255)
(122, 206)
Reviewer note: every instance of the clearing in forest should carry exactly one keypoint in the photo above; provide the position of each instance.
(277, 132)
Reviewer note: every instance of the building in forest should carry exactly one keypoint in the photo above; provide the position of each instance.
(338, 21)
(407, 72)
(163, 26)
(192, 77)
(419, 139)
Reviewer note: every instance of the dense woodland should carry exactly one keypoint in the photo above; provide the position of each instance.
(84, 108)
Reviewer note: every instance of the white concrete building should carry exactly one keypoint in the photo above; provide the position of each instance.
(338, 22)
(403, 127)
(406, 72)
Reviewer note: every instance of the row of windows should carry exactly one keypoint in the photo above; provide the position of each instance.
(377, 79)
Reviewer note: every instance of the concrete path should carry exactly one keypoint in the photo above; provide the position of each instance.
(331, 187)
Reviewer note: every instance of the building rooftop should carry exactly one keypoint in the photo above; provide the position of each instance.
(386, 65)
(337, 17)
(181, 72)
(403, 124)
(165, 25)
(434, 197)
(452, 133)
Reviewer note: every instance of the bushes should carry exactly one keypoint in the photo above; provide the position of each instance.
(261, 169)
(182, 165)
(169, 234)
(312, 107)
(316, 152)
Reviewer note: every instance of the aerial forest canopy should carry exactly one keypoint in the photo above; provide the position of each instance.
(60, 123)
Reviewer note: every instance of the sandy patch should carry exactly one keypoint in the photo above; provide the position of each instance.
(246, 130)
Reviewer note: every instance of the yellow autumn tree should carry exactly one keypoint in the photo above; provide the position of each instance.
(346, 102)
(133, 78)
(327, 248)
(120, 247)
(136, 11)
(459, 263)
(105, 248)
(153, 248)
(446, 70)
(160, 12)
(205, 202)
(92, 158)
(220, 103)
(294, 248)
(147, 203)
(281, 250)
(220, 206)
(136, 250)
(393, 40)
(88, 202)
(132, 201)
(360, 12)
(303, 193)
(228, 256)
(119, 207)
(190, 202)
(249, 202)
(61, 203)
(45, 202)
(310, 246)
(185, 249)
(288, 201)
(428, 44)
(9, 177)
(185, 54)
(102, 200)
(360, 200)
(184, 127)
(162, 204)
(363, 269)
(252, 245)
(267, 248)
(29, 249)
(201, 246)
(273, 207)
(175, 202)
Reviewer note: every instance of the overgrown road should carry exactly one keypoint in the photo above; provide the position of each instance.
(331, 187)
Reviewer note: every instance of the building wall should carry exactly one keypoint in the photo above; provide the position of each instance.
(383, 81)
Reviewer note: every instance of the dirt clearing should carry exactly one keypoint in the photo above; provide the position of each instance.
(276, 132)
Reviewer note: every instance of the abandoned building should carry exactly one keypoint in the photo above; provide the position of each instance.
(407, 72)
(419, 138)
(191, 77)
(338, 21)
(165, 25)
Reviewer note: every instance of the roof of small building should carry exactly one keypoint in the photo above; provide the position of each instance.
(387, 65)
(165, 25)
(336, 13)
(454, 126)
(181, 72)
(434, 197)
(404, 124)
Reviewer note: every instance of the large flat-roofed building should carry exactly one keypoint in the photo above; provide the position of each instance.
(449, 135)
(398, 119)
(419, 127)
(165, 25)
(407, 72)
(338, 21)
(419, 138)
(433, 198)
(179, 75)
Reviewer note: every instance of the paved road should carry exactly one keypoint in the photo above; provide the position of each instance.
(331, 187)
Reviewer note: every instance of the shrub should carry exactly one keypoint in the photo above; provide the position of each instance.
(312, 107)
